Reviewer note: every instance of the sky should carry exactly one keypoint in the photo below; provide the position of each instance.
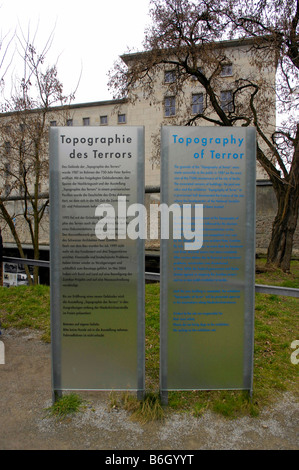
(89, 36)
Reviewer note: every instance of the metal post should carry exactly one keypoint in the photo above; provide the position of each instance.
(56, 395)
(164, 398)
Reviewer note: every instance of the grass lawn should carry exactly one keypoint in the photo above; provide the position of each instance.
(276, 327)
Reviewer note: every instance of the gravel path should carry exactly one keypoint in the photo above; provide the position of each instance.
(25, 391)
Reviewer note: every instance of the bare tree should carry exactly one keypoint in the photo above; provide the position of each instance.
(277, 22)
(6, 56)
(24, 134)
(188, 37)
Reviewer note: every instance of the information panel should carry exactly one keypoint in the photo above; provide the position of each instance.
(97, 281)
(208, 259)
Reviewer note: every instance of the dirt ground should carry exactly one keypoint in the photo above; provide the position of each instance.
(25, 393)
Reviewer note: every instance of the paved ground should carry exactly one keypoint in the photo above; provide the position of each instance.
(25, 392)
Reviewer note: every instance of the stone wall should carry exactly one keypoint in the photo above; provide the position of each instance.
(266, 207)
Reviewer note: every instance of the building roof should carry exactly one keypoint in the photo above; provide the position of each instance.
(72, 106)
(226, 43)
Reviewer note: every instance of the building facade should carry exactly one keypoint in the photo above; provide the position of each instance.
(166, 107)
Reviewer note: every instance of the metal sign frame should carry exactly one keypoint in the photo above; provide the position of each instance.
(95, 347)
(194, 161)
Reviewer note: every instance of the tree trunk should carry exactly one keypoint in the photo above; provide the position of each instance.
(284, 226)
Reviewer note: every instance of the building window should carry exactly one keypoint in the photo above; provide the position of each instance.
(21, 175)
(169, 76)
(226, 70)
(7, 146)
(22, 147)
(226, 100)
(197, 103)
(103, 120)
(7, 169)
(69, 122)
(53, 123)
(86, 121)
(121, 119)
(7, 189)
(169, 106)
